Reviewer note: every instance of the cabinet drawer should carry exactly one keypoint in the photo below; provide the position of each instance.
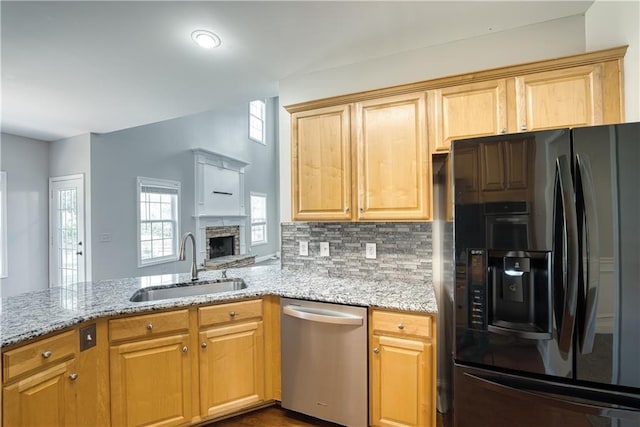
(230, 312)
(41, 353)
(148, 325)
(401, 323)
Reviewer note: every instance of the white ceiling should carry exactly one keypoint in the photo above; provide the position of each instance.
(70, 68)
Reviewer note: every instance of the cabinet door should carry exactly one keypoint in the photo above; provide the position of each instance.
(466, 174)
(505, 172)
(321, 164)
(492, 170)
(151, 382)
(402, 382)
(46, 398)
(394, 180)
(561, 98)
(467, 111)
(231, 368)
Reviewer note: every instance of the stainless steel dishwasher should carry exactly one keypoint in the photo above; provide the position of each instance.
(324, 360)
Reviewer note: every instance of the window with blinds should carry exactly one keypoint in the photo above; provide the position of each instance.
(158, 220)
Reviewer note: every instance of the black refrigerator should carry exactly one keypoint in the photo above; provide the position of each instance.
(547, 278)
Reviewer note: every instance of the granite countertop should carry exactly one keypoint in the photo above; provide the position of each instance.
(34, 314)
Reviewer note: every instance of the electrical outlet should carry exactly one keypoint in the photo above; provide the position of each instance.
(370, 251)
(304, 248)
(324, 248)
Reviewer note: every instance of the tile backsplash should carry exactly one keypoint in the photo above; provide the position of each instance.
(404, 249)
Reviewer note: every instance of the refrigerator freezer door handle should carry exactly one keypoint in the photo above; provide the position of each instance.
(587, 333)
(556, 398)
(567, 197)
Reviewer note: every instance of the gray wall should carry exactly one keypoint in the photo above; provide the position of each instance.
(71, 156)
(534, 42)
(163, 150)
(617, 23)
(26, 162)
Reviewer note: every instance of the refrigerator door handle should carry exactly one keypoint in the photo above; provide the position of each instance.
(592, 245)
(570, 254)
(555, 396)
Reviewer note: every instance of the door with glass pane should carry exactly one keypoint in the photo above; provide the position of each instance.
(66, 230)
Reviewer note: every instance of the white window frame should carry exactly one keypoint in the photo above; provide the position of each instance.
(161, 184)
(259, 223)
(253, 118)
(4, 267)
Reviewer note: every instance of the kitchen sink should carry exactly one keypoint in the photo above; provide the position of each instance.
(188, 289)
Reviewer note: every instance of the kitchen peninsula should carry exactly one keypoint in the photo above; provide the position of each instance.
(47, 338)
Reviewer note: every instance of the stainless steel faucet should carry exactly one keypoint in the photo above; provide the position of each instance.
(182, 257)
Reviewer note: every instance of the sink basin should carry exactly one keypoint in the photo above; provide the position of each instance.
(188, 289)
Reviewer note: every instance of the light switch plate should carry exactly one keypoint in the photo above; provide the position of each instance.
(370, 251)
(304, 248)
(324, 248)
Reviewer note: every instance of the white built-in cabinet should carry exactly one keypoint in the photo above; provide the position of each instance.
(219, 184)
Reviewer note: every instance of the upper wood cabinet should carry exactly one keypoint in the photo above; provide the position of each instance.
(466, 111)
(321, 164)
(504, 168)
(560, 98)
(366, 161)
(393, 173)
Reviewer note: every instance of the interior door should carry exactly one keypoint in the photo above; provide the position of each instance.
(66, 230)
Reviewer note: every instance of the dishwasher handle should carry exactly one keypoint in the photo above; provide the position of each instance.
(322, 315)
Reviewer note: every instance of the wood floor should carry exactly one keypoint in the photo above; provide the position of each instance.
(275, 416)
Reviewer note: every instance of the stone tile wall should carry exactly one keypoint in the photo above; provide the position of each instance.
(404, 250)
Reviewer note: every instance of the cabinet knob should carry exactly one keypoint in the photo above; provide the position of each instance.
(523, 127)
(73, 376)
(46, 354)
(361, 210)
(376, 350)
(400, 326)
(150, 326)
(232, 314)
(185, 349)
(203, 345)
(346, 210)
(503, 130)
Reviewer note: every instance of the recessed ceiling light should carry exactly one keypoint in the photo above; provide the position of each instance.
(206, 39)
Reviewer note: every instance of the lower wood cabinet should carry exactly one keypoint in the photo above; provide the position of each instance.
(402, 369)
(232, 370)
(45, 398)
(151, 382)
(56, 381)
(185, 366)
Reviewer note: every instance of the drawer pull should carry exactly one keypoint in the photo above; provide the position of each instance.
(150, 326)
(73, 376)
(232, 314)
(376, 350)
(203, 345)
(400, 326)
(46, 354)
